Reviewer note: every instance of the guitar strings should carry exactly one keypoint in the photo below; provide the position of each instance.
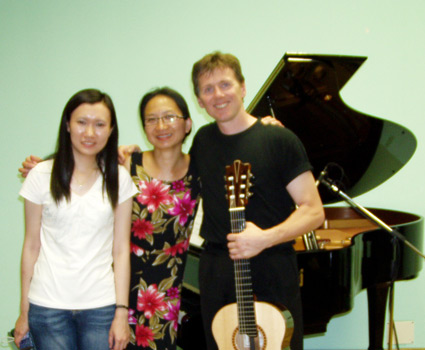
(244, 297)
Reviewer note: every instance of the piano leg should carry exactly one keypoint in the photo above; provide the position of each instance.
(377, 301)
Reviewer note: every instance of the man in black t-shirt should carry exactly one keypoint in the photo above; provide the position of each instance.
(282, 180)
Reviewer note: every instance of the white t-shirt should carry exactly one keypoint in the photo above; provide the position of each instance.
(74, 267)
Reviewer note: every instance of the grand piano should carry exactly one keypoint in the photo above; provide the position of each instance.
(360, 152)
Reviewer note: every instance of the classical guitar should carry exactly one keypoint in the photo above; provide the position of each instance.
(247, 324)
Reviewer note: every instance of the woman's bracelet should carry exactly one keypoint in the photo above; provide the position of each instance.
(121, 306)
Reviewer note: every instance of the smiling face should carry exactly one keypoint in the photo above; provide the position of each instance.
(165, 135)
(89, 127)
(221, 94)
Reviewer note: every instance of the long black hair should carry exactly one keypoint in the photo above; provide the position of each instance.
(106, 159)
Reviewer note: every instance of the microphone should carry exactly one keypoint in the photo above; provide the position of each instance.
(323, 173)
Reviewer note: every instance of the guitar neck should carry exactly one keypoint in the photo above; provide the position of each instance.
(243, 283)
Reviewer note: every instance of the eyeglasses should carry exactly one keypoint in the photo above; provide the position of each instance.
(166, 119)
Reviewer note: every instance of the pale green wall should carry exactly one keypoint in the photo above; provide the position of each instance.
(51, 49)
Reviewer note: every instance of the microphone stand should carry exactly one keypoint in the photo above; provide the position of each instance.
(366, 213)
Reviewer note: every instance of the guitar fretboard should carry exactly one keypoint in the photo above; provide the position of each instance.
(242, 270)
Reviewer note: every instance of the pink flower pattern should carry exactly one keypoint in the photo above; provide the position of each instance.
(179, 186)
(176, 249)
(141, 228)
(183, 207)
(131, 318)
(153, 194)
(150, 301)
(173, 293)
(144, 335)
(162, 219)
(173, 314)
(136, 250)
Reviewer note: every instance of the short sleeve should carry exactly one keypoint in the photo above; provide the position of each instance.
(291, 152)
(127, 188)
(37, 183)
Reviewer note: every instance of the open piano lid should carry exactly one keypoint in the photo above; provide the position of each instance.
(303, 93)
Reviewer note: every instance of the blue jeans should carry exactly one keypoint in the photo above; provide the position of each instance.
(54, 329)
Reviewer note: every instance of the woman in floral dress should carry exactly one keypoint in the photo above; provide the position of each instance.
(162, 220)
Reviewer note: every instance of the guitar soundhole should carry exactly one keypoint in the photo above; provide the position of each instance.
(241, 341)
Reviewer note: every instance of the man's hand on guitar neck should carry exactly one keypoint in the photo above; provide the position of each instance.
(248, 243)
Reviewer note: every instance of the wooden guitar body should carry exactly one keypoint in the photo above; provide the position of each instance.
(274, 327)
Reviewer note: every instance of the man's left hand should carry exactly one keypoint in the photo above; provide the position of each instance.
(248, 243)
(269, 120)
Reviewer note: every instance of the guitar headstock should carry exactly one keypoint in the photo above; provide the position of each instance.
(237, 183)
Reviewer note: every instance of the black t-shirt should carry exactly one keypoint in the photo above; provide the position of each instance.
(276, 156)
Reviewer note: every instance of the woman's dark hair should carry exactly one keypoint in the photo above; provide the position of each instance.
(107, 159)
(164, 91)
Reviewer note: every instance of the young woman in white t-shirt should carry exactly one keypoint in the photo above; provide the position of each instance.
(75, 259)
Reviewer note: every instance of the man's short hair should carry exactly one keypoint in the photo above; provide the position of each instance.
(212, 61)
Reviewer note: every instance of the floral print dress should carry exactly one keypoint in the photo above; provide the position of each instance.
(162, 221)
